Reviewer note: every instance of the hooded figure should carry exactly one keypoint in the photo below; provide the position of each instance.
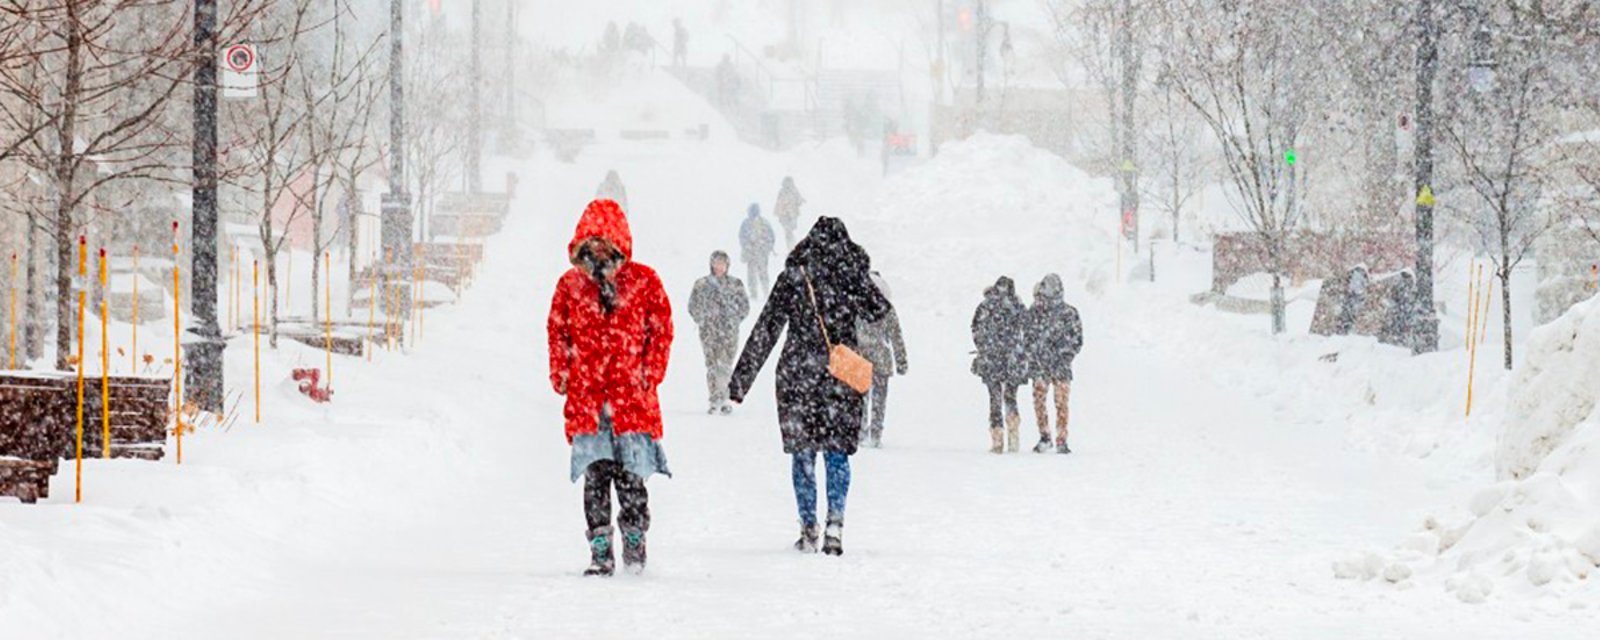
(825, 283)
(756, 242)
(1054, 336)
(610, 332)
(882, 344)
(788, 209)
(1001, 361)
(718, 305)
(611, 189)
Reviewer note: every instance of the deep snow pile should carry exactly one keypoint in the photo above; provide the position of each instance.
(1536, 531)
(992, 205)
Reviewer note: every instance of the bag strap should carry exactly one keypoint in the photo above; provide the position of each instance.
(816, 310)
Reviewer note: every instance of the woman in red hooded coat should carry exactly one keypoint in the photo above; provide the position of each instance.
(610, 335)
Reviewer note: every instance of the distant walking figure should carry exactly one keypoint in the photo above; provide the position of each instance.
(718, 305)
(756, 242)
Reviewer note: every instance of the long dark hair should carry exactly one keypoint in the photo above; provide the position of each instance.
(601, 262)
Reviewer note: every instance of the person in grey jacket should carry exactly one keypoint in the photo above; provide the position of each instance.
(881, 343)
(718, 305)
(756, 242)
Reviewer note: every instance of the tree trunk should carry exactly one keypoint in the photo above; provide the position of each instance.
(32, 326)
(66, 141)
(1505, 311)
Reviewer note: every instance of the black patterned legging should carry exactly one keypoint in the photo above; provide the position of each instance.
(1001, 395)
(598, 481)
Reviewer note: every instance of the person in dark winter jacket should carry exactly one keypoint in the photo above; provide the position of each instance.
(612, 189)
(610, 331)
(1001, 361)
(1053, 335)
(756, 242)
(823, 291)
(718, 305)
(881, 343)
(788, 209)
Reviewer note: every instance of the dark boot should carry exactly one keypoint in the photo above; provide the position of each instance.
(1061, 446)
(808, 539)
(633, 551)
(1044, 445)
(601, 562)
(833, 537)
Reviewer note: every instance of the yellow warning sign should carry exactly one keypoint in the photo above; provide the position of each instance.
(1425, 197)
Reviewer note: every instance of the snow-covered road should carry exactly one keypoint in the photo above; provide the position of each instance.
(1194, 504)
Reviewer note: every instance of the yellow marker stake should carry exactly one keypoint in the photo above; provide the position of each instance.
(133, 358)
(177, 347)
(83, 274)
(13, 323)
(255, 328)
(1483, 327)
(327, 311)
(105, 367)
(1472, 348)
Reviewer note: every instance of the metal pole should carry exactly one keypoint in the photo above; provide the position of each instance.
(396, 220)
(1425, 327)
(1130, 166)
(475, 116)
(205, 357)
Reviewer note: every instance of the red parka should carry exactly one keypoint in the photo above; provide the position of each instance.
(618, 358)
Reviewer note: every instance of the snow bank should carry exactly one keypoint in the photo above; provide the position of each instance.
(1536, 531)
(992, 205)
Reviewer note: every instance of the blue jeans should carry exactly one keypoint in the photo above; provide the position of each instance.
(805, 484)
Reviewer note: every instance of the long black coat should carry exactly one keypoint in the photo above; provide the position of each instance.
(816, 412)
(997, 332)
(1053, 332)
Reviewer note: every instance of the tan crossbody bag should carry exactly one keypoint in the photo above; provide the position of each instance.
(843, 362)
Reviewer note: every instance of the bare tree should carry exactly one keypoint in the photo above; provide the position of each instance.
(1503, 144)
(1249, 73)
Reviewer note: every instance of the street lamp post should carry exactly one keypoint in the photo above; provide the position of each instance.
(1425, 323)
(206, 348)
(396, 221)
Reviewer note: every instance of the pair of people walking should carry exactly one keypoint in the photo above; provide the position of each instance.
(610, 335)
(1017, 345)
(758, 243)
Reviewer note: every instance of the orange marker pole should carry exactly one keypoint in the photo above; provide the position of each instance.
(133, 358)
(416, 294)
(83, 275)
(105, 367)
(1472, 346)
(255, 328)
(1472, 299)
(177, 346)
(1483, 327)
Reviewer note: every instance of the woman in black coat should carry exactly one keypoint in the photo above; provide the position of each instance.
(997, 331)
(816, 412)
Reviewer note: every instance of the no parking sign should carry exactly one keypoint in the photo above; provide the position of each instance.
(239, 70)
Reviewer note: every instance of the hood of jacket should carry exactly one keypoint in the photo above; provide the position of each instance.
(1049, 290)
(828, 246)
(715, 256)
(603, 219)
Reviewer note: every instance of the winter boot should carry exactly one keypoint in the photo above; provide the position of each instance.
(808, 539)
(1014, 433)
(726, 409)
(833, 537)
(601, 562)
(1061, 446)
(1044, 445)
(875, 439)
(633, 551)
(997, 440)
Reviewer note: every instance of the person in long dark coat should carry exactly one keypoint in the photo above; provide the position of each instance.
(1054, 336)
(816, 412)
(1001, 363)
